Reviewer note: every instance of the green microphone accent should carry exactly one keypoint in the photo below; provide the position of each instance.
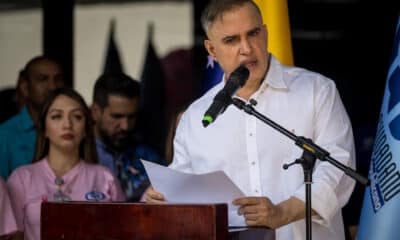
(208, 119)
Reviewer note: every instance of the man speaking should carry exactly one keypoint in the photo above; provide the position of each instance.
(252, 153)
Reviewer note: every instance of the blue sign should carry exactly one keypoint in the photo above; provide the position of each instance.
(381, 208)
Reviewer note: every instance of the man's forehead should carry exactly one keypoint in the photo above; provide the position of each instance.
(45, 64)
(116, 102)
(121, 98)
(226, 22)
(44, 70)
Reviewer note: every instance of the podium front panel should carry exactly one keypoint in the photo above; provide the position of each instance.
(83, 220)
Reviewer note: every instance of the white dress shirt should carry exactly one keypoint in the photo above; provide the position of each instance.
(252, 153)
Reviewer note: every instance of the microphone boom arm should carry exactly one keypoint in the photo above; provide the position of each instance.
(311, 151)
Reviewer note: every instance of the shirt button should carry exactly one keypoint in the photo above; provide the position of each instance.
(256, 191)
(253, 163)
(251, 134)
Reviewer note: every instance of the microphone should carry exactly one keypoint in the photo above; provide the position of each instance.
(224, 97)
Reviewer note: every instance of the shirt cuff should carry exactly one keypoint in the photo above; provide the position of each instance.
(323, 201)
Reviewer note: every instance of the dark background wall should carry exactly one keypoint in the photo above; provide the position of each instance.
(349, 41)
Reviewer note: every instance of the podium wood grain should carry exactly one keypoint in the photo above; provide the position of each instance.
(112, 221)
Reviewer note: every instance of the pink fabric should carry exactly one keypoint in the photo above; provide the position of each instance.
(7, 217)
(31, 184)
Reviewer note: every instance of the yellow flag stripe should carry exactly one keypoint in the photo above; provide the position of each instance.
(276, 17)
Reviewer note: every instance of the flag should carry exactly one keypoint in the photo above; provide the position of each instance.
(112, 63)
(381, 206)
(276, 17)
(151, 123)
(212, 75)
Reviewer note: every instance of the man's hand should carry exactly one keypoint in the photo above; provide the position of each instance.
(260, 211)
(152, 196)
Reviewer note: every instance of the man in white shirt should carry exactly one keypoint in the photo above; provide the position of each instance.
(252, 153)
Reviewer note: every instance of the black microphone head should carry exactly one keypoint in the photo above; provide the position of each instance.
(224, 97)
(240, 75)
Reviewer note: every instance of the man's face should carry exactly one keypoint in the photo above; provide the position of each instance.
(115, 122)
(43, 77)
(239, 37)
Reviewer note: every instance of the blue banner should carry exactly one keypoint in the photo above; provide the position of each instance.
(380, 215)
(212, 75)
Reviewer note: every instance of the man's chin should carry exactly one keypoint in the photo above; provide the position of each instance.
(121, 144)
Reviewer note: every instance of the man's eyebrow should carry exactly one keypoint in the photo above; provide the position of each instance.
(229, 37)
(119, 115)
(256, 29)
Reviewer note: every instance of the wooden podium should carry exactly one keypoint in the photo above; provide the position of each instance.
(83, 220)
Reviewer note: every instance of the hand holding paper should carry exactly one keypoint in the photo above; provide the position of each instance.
(178, 187)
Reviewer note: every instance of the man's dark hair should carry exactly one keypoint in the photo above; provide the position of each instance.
(118, 84)
(26, 70)
(216, 8)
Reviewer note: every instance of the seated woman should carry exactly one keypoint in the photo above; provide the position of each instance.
(64, 167)
(8, 226)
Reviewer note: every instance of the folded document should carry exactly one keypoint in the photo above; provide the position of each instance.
(179, 187)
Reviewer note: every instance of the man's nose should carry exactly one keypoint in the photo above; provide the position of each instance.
(245, 47)
(124, 124)
(52, 84)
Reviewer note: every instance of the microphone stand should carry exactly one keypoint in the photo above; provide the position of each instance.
(311, 152)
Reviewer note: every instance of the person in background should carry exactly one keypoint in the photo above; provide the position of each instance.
(115, 110)
(40, 76)
(8, 225)
(251, 153)
(12, 99)
(64, 167)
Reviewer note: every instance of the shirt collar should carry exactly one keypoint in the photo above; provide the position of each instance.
(106, 149)
(26, 119)
(274, 77)
(68, 176)
(103, 146)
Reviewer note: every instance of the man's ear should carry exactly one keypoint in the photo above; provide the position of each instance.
(210, 49)
(96, 111)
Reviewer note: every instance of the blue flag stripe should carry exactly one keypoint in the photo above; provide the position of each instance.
(212, 75)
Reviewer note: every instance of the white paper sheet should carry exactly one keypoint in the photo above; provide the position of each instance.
(178, 187)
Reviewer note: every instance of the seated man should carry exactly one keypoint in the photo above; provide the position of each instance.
(40, 76)
(114, 110)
